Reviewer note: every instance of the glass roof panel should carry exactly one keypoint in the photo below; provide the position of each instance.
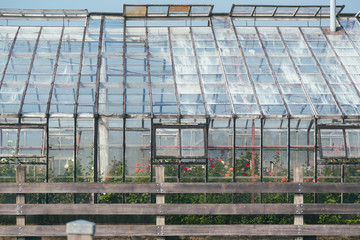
(179, 10)
(200, 10)
(157, 10)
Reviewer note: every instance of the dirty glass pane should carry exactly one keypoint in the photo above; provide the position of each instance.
(192, 142)
(332, 143)
(167, 142)
(352, 142)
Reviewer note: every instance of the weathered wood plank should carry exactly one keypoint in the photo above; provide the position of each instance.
(176, 209)
(191, 230)
(79, 188)
(180, 188)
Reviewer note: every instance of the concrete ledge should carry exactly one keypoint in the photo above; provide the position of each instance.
(80, 227)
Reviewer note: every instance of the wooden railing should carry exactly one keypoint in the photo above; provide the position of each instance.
(21, 210)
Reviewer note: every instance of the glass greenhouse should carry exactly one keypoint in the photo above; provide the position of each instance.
(261, 89)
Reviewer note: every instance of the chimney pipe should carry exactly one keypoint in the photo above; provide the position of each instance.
(333, 15)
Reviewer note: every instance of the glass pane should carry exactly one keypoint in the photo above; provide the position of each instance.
(353, 142)
(332, 143)
(192, 142)
(167, 142)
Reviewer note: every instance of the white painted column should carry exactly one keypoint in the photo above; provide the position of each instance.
(333, 15)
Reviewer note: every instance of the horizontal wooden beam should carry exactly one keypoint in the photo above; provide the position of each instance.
(180, 188)
(190, 230)
(176, 209)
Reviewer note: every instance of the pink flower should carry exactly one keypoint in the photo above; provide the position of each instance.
(243, 169)
(212, 165)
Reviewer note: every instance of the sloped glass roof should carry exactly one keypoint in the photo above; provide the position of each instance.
(221, 69)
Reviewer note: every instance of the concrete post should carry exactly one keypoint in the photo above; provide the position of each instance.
(80, 230)
(160, 198)
(20, 198)
(298, 197)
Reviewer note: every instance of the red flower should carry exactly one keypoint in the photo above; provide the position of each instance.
(277, 152)
(244, 174)
(212, 165)
(328, 152)
(111, 170)
(138, 164)
(270, 173)
(227, 175)
(357, 167)
(283, 180)
(137, 169)
(141, 170)
(246, 164)
(231, 169)
(220, 159)
(185, 169)
(335, 149)
(146, 167)
(107, 179)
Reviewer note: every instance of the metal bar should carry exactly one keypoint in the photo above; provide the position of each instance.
(222, 68)
(8, 57)
(148, 70)
(76, 104)
(247, 68)
(173, 73)
(198, 71)
(273, 73)
(297, 73)
(54, 72)
(95, 137)
(29, 72)
(98, 66)
(322, 73)
(75, 152)
(288, 151)
(234, 150)
(261, 149)
(316, 137)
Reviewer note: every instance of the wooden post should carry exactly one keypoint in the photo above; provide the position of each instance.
(20, 198)
(299, 199)
(160, 198)
(80, 230)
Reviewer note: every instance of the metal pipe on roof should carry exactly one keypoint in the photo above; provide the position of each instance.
(333, 15)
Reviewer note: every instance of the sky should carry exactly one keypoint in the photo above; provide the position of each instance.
(220, 6)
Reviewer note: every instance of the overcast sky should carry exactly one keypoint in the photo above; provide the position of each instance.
(351, 6)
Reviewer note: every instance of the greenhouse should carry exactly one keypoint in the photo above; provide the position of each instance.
(243, 96)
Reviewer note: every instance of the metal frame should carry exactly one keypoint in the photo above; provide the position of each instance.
(342, 127)
(40, 14)
(277, 7)
(179, 127)
(166, 14)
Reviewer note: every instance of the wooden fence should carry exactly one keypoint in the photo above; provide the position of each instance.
(161, 210)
